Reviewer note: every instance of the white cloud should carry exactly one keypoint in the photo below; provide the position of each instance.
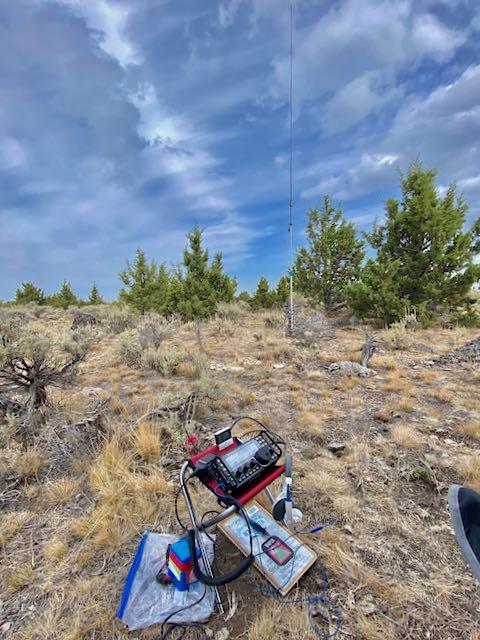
(432, 39)
(110, 20)
(12, 154)
(355, 101)
(227, 12)
(358, 49)
(370, 173)
(469, 184)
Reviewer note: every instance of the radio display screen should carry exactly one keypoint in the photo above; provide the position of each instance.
(240, 455)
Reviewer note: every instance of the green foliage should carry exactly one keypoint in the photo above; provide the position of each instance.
(375, 295)
(264, 298)
(244, 296)
(161, 290)
(165, 361)
(94, 296)
(146, 285)
(423, 473)
(64, 298)
(424, 258)
(282, 292)
(29, 293)
(468, 318)
(333, 258)
(222, 284)
(194, 295)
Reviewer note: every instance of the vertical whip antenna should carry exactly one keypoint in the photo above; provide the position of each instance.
(290, 217)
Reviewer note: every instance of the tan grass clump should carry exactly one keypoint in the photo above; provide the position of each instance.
(61, 491)
(469, 467)
(12, 523)
(471, 429)
(147, 442)
(29, 463)
(406, 436)
(55, 550)
(349, 383)
(396, 383)
(311, 421)
(20, 576)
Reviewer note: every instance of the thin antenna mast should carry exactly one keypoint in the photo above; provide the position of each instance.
(290, 217)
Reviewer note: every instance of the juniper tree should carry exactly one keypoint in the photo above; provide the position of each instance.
(29, 293)
(65, 297)
(332, 260)
(161, 290)
(263, 297)
(244, 296)
(139, 279)
(425, 258)
(94, 296)
(282, 292)
(223, 286)
(196, 295)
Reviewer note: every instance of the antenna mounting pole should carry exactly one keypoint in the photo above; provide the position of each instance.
(290, 217)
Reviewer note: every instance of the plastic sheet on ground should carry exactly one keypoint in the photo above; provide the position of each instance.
(145, 602)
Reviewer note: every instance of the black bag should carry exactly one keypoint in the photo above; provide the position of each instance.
(464, 505)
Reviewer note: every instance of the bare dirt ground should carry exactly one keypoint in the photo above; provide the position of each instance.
(97, 473)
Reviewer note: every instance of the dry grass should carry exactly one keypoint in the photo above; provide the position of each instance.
(20, 576)
(146, 442)
(397, 383)
(404, 404)
(61, 491)
(349, 383)
(471, 429)
(29, 463)
(406, 436)
(276, 621)
(469, 467)
(311, 420)
(442, 395)
(12, 523)
(55, 550)
(377, 555)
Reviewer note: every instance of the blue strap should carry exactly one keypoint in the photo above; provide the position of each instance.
(131, 575)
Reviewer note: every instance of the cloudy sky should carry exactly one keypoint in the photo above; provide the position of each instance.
(122, 123)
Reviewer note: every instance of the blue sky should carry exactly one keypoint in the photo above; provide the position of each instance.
(123, 123)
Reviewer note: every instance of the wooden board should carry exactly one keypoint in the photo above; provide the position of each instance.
(282, 578)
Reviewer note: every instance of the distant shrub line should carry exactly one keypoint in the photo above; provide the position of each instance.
(423, 260)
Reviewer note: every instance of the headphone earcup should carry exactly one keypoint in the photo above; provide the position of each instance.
(278, 509)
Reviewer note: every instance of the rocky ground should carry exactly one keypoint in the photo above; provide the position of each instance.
(376, 453)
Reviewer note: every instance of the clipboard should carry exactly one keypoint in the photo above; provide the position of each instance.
(282, 578)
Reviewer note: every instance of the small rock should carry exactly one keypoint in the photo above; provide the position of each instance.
(367, 606)
(279, 365)
(349, 368)
(336, 447)
(167, 462)
(235, 368)
(6, 626)
(450, 442)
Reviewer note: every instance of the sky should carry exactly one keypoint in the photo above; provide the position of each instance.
(125, 122)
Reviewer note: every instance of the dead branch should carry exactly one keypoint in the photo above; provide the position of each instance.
(368, 348)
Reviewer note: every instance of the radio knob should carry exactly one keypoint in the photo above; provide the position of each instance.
(263, 456)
